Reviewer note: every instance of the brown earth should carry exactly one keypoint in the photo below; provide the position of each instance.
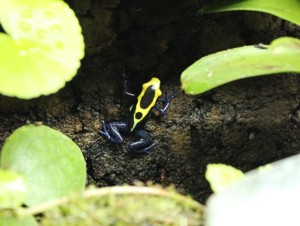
(246, 123)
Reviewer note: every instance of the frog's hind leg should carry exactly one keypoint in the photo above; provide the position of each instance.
(144, 144)
(112, 131)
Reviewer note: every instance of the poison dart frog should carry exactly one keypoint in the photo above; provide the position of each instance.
(150, 97)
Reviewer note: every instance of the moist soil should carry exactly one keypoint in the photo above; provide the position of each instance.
(246, 123)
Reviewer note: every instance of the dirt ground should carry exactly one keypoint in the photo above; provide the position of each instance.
(246, 123)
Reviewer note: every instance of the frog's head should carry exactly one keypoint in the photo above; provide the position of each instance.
(150, 93)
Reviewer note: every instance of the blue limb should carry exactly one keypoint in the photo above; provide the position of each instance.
(166, 101)
(111, 131)
(144, 144)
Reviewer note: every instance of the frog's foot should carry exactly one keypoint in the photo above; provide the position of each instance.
(166, 101)
(104, 132)
(145, 150)
(144, 145)
(111, 131)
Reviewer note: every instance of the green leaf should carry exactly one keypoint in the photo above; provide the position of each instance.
(12, 189)
(283, 55)
(52, 163)
(17, 221)
(42, 48)
(221, 176)
(286, 9)
(263, 197)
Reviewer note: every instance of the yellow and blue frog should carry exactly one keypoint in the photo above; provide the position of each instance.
(150, 97)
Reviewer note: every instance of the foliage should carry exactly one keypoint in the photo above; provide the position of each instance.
(42, 48)
(268, 196)
(52, 164)
(221, 176)
(282, 55)
(286, 9)
(12, 189)
(44, 164)
(38, 164)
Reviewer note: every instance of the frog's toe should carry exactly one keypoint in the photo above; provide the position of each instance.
(148, 149)
(145, 150)
(104, 132)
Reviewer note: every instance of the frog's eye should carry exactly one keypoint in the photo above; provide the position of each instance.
(155, 86)
(150, 93)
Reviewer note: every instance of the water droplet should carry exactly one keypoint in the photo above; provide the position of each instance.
(25, 26)
(34, 49)
(59, 45)
(209, 73)
(41, 33)
(26, 13)
(55, 28)
(23, 52)
(49, 15)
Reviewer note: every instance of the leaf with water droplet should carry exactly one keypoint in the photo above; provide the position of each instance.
(282, 55)
(42, 48)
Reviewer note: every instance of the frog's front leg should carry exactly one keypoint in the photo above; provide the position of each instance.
(144, 144)
(165, 103)
(112, 131)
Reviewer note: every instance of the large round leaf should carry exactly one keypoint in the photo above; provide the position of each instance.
(42, 48)
(52, 163)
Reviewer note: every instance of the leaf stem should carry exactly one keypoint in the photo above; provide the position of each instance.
(116, 190)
